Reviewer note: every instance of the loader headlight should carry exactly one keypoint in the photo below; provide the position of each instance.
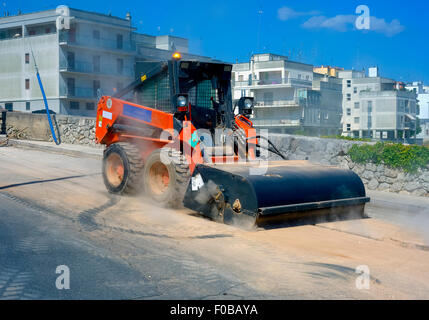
(182, 101)
(248, 104)
(245, 106)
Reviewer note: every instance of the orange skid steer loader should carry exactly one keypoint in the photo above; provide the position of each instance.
(175, 134)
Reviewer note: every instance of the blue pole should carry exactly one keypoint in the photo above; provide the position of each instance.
(47, 108)
(44, 98)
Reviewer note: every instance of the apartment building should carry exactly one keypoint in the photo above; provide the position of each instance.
(95, 54)
(289, 97)
(376, 107)
(422, 92)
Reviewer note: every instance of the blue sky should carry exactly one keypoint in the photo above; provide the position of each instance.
(316, 32)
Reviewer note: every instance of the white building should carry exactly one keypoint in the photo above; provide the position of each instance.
(374, 107)
(422, 97)
(97, 53)
(288, 96)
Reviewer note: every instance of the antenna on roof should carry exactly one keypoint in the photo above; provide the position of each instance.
(260, 13)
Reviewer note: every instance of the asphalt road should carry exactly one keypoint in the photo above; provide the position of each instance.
(54, 210)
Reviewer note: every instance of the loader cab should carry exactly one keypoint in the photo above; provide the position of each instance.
(192, 90)
(208, 87)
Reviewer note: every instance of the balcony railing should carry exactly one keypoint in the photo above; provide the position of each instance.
(271, 82)
(278, 103)
(276, 122)
(78, 92)
(87, 67)
(76, 39)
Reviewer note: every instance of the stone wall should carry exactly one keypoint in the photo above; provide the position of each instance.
(76, 130)
(30, 126)
(334, 152)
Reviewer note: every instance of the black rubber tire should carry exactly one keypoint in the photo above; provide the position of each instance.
(179, 176)
(133, 168)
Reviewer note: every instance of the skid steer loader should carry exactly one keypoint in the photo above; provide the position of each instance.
(175, 133)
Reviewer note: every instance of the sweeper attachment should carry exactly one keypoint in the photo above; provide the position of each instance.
(288, 190)
(175, 134)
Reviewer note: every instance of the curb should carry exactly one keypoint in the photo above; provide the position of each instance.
(97, 154)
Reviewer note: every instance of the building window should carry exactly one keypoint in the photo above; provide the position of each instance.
(356, 119)
(369, 122)
(349, 83)
(119, 41)
(27, 106)
(120, 66)
(8, 106)
(27, 58)
(348, 126)
(74, 105)
(96, 63)
(95, 87)
(27, 84)
(48, 30)
(70, 86)
(299, 76)
(72, 34)
(349, 97)
(96, 34)
(70, 60)
(268, 98)
(240, 78)
(90, 106)
(357, 106)
(369, 106)
(355, 90)
(243, 93)
(349, 111)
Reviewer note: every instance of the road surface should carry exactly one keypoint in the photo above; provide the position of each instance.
(55, 211)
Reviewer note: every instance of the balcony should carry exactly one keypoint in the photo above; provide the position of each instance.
(78, 92)
(87, 67)
(67, 38)
(272, 83)
(276, 123)
(294, 103)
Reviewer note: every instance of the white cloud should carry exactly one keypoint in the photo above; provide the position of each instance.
(339, 22)
(345, 23)
(286, 13)
(389, 29)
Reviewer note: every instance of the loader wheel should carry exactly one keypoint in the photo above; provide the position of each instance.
(166, 183)
(122, 168)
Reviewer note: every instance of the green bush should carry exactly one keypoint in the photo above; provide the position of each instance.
(409, 158)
